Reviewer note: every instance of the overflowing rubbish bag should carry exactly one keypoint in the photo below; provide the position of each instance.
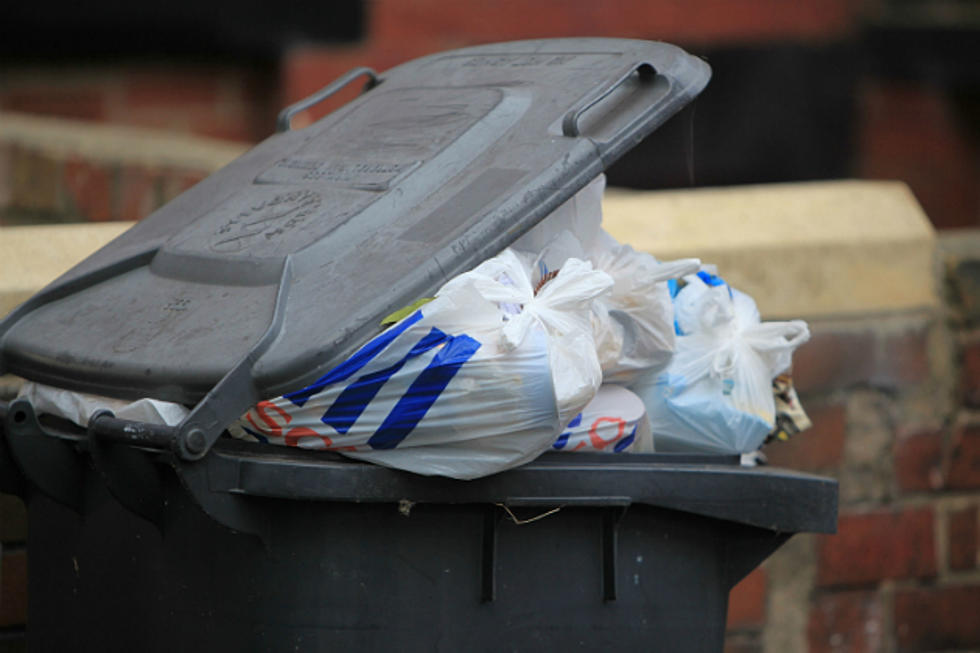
(534, 350)
(567, 341)
(716, 393)
(633, 323)
(478, 380)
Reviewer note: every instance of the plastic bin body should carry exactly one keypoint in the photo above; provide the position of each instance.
(351, 577)
(314, 552)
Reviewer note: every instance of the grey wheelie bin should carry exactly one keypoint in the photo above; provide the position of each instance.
(272, 271)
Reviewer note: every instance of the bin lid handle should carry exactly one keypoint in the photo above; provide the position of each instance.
(285, 117)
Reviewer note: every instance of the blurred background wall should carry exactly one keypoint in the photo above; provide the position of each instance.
(809, 89)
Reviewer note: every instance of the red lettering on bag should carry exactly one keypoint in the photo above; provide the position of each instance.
(273, 427)
(597, 440)
(293, 436)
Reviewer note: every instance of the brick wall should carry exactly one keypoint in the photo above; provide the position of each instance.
(224, 101)
(895, 401)
(53, 170)
(897, 121)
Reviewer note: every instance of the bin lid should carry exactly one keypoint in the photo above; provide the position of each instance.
(272, 270)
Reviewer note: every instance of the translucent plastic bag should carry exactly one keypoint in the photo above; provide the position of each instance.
(468, 385)
(548, 241)
(716, 393)
(634, 323)
(78, 407)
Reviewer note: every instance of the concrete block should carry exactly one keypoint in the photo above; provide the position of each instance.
(114, 144)
(33, 256)
(801, 250)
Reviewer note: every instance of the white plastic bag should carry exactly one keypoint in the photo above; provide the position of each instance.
(570, 231)
(562, 307)
(468, 385)
(634, 323)
(78, 407)
(615, 421)
(716, 394)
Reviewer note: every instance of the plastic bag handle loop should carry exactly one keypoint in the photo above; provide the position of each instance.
(569, 124)
(779, 335)
(675, 269)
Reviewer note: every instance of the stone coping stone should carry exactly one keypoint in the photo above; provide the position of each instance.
(819, 249)
(106, 143)
(33, 256)
(814, 249)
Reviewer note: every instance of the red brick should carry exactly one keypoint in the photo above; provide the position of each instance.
(747, 601)
(175, 182)
(306, 70)
(970, 375)
(842, 355)
(743, 643)
(89, 187)
(441, 23)
(963, 471)
(821, 447)
(35, 180)
(137, 193)
(938, 618)
(154, 88)
(6, 172)
(86, 103)
(964, 284)
(963, 539)
(918, 460)
(833, 358)
(903, 358)
(228, 126)
(874, 546)
(846, 621)
(13, 589)
(903, 124)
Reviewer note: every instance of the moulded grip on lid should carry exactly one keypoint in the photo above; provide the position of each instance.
(569, 124)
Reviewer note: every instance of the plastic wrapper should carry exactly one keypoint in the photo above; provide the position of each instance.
(791, 419)
(78, 407)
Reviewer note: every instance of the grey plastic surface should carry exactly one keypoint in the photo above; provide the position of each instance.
(271, 271)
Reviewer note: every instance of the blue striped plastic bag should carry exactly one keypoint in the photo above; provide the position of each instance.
(474, 382)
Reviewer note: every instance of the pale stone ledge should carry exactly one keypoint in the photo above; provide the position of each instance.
(802, 250)
(31, 257)
(115, 143)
